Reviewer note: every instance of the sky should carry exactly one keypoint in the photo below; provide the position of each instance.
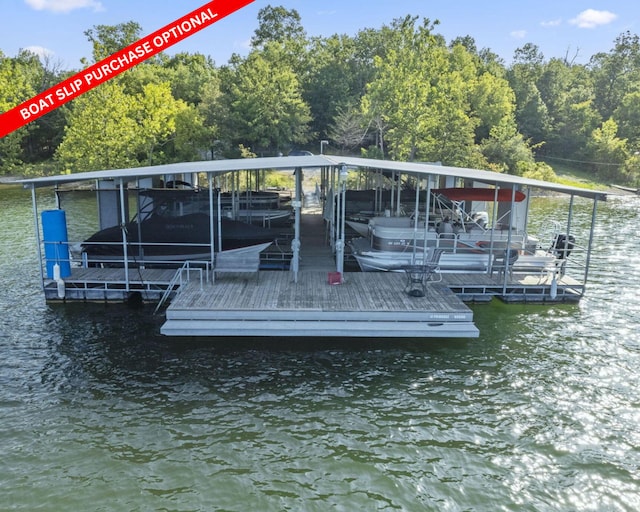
(576, 29)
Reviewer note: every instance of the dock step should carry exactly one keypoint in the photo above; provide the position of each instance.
(319, 328)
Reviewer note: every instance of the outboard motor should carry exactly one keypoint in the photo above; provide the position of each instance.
(481, 219)
(444, 227)
(562, 246)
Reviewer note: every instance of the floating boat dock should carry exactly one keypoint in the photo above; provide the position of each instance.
(320, 295)
(272, 303)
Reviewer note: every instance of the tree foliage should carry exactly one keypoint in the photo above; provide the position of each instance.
(616, 73)
(398, 91)
(606, 150)
(277, 24)
(21, 78)
(406, 90)
(264, 104)
(155, 115)
(437, 102)
(108, 39)
(101, 132)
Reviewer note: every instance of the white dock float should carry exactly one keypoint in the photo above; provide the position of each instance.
(372, 305)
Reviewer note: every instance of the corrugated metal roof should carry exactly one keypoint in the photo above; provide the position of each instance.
(289, 163)
(488, 177)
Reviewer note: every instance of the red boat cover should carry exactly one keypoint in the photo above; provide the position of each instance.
(480, 194)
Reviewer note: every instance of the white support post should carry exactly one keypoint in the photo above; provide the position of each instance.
(341, 219)
(123, 225)
(295, 243)
(212, 219)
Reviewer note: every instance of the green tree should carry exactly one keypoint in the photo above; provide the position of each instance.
(45, 134)
(337, 71)
(193, 139)
(536, 171)
(616, 73)
(213, 111)
(532, 116)
(567, 92)
(102, 132)
(405, 91)
(607, 151)
(280, 27)
(277, 24)
(187, 74)
(264, 108)
(21, 78)
(490, 98)
(156, 112)
(573, 130)
(108, 39)
(420, 92)
(506, 149)
(627, 115)
(630, 172)
(11, 151)
(328, 85)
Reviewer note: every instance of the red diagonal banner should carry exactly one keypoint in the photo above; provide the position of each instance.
(120, 61)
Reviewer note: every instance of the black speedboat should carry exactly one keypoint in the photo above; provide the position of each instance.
(168, 238)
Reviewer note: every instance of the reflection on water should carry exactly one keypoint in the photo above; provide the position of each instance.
(540, 413)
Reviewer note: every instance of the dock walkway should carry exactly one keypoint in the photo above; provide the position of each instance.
(364, 305)
(315, 252)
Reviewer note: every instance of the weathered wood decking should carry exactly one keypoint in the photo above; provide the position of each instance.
(364, 305)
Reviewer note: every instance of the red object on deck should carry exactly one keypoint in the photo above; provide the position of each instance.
(335, 278)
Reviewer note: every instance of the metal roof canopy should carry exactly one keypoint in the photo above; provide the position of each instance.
(215, 167)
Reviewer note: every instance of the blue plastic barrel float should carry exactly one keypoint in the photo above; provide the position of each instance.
(56, 247)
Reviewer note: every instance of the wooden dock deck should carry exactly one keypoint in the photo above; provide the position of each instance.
(272, 304)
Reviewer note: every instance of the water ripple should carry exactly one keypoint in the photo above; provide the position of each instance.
(540, 413)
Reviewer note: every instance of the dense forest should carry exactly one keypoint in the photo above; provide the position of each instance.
(400, 92)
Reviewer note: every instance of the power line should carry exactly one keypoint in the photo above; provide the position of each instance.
(580, 161)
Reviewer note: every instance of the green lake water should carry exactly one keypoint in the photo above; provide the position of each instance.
(98, 412)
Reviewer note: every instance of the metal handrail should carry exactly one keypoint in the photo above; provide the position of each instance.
(177, 279)
(174, 280)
